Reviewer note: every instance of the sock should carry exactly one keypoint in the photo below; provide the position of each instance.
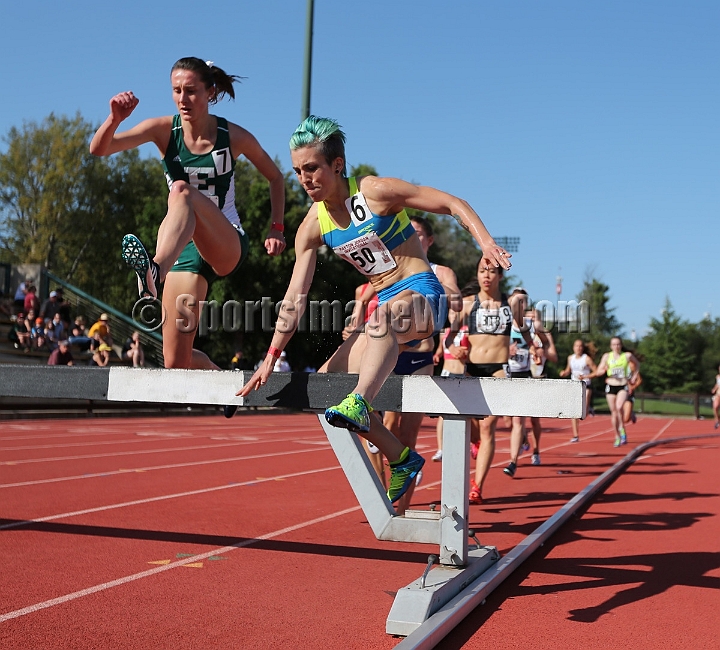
(403, 457)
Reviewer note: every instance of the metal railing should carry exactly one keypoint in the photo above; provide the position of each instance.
(121, 326)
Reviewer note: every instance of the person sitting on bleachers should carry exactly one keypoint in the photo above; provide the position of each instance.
(19, 334)
(100, 331)
(133, 351)
(38, 335)
(49, 306)
(79, 335)
(61, 355)
(56, 331)
(101, 355)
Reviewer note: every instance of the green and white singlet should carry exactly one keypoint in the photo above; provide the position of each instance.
(212, 173)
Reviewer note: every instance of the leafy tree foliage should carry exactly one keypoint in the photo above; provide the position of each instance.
(671, 354)
(67, 210)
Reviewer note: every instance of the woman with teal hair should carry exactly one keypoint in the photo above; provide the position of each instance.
(364, 220)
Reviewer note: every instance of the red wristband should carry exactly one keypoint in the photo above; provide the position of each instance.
(280, 227)
(274, 352)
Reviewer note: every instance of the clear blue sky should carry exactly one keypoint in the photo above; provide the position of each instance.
(590, 130)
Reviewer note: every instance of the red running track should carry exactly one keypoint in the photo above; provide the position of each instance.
(213, 533)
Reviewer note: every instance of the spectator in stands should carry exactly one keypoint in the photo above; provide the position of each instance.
(282, 365)
(29, 321)
(32, 303)
(239, 362)
(79, 335)
(56, 331)
(19, 334)
(61, 355)
(100, 331)
(38, 334)
(133, 351)
(19, 303)
(101, 355)
(49, 307)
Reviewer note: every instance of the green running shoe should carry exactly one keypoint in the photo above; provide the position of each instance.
(402, 473)
(137, 258)
(353, 414)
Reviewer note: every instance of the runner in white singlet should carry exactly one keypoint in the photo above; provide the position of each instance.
(580, 366)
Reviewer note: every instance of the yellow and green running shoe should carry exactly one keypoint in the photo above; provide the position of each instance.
(353, 414)
(402, 473)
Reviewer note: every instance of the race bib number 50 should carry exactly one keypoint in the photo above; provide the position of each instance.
(367, 254)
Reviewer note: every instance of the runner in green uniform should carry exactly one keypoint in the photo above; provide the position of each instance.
(201, 236)
(616, 366)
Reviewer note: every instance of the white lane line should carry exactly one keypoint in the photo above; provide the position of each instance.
(146, 437)
(95, 443)
(156, 467)
(167, 567)
(675, 451)
(164, 497)
(662, 430)
(317, 445)
(135, 452)
(129, 428)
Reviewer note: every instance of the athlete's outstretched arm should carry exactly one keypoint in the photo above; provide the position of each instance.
(293, 305)
(397, 194)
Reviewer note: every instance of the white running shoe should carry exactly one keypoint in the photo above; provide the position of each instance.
(418, 478)
(438, 456)
(372, 448)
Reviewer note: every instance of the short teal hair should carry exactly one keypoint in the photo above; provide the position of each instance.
(325, 134)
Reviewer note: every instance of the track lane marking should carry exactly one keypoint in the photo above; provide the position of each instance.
(156, 467)
(167, 567)
(164, 497)
(24, 461)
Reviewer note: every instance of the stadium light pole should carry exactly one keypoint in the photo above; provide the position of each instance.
(307, 74)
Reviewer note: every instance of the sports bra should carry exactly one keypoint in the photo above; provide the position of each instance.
(369, 239)
(497, 322)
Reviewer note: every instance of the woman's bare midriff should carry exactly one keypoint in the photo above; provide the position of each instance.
(488, 348)
(410, 261)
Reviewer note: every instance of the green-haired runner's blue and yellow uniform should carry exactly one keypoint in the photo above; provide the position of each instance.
(367, 243)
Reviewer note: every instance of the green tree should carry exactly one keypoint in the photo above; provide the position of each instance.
(670, 362)
(708, 330)
(44, 181)
(66, 209)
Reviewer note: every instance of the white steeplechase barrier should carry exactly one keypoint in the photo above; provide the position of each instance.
(457, 400)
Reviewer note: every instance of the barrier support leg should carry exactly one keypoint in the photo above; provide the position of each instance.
(454, 492)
